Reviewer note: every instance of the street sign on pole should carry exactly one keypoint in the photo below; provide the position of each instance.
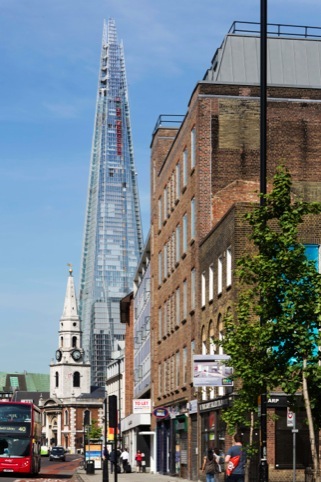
(290, 418)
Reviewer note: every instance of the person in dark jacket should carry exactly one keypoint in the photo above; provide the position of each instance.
(236, 450)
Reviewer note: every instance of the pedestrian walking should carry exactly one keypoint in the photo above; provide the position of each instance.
(113, 460)
(235, 460)
(210, 466)
(139, 458)
(218, 458)
(105, 453)
(124, 457)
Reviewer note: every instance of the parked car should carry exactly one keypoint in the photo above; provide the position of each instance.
(57, 453)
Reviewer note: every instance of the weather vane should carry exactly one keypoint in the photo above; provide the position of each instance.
(70, 268)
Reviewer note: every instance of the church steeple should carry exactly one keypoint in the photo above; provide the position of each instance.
(69, 375)
(70, 312)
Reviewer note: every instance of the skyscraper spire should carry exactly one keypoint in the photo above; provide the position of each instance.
(113, 238)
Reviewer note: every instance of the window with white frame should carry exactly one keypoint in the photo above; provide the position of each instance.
(193, 288)
(165, 326)
(212, 348)
(185, 299)
(185, 233)
(221, 390)
(185, 166)
(219, 274)
(210, 283)
(178, 243)
(229, 266)
(203, 294)
(173, 247)
(160, 267)
(178, 368)
(178, 180)
(192, 353)
(165, 260)
(193, 148)
(160, 323)
(167, 375)
(171, 379)
(193, 219)
(165, 202)
(178, 306)
(185, 365)
(160, 218)
(171, 192)
(160, 379)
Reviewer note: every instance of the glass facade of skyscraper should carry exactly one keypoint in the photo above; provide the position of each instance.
(113, 239)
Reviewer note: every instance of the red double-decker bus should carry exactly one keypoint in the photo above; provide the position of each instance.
(20, 437)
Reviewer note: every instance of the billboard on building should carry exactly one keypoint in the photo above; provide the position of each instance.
(142, 405)
(212, 371)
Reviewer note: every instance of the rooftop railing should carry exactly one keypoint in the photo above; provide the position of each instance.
(169, 120)
(276, 29)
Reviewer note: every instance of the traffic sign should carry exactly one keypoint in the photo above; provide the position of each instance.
(290, 418)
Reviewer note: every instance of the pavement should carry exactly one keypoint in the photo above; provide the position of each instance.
(82, 476)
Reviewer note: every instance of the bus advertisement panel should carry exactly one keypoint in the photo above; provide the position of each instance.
(20, 437)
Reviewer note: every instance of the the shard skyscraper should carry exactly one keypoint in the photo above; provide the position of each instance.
(113, 238)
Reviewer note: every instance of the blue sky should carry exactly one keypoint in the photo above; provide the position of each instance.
(49, 63)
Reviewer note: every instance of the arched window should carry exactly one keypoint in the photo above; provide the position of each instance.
(76, 379)
(211, 337)
(74, 341)
(57, 379)
(66, 417)
(203, 337)
(61, 341)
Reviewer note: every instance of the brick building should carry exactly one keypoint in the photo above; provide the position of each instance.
(203, 172)
(135, 311)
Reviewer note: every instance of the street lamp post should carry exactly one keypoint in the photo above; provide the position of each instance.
(263, 468)
(105, 460)
(117, 425)
(118, 360)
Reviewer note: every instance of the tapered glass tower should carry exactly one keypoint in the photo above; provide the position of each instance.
(113, 238)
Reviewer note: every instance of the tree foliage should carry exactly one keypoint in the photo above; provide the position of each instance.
(273, 337)
(95, 432)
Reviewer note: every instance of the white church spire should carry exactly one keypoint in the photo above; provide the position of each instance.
(70, 305)
(69, 374)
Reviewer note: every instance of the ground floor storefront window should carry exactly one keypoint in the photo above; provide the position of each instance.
(213, 431)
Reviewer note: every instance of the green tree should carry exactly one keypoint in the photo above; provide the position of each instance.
(273, 337)
(95, 432)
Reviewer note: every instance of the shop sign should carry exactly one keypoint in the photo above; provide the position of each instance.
(160, 412)
(213, 404)
(142, 405)
(192, 406)
(212, 371)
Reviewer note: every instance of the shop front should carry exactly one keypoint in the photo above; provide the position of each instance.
(213, 428)
(172, 442)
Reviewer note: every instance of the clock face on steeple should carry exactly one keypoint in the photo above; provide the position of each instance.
(76, 354)
(58, 355)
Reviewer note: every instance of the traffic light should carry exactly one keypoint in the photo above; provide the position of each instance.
(112, 404)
